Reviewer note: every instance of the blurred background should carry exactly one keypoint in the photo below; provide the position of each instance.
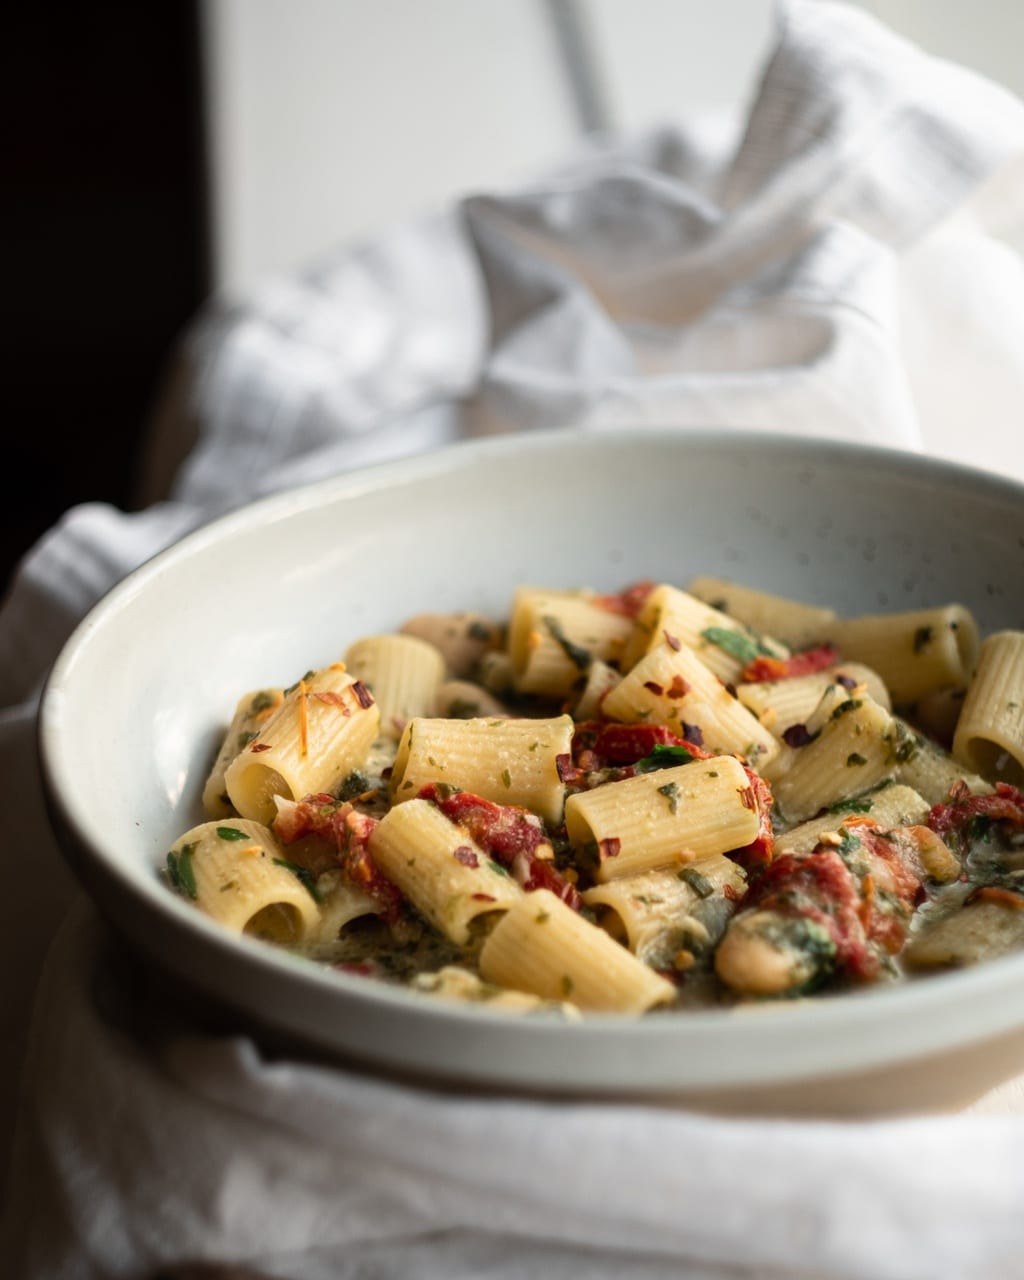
(167, 151)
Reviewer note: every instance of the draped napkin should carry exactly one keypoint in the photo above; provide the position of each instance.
(842, 264)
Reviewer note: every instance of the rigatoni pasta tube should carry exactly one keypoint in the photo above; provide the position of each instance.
(402, 672)
(670, 685)
(554, 637)
(661, 912)
(321, 732)
(716, 638)
(236, 872)
(664, 818)
(466, 700)
(544, 947)
(507, 761)
(933, 772)
(990, 731)
(252, 711)
(892, 806)
(446, 876)
(779, 704)
(857, 748)
(340, 904)
(462, 638)
(791, 621)
(601, 680)
(912, 652)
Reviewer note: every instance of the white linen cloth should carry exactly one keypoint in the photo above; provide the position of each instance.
(840, 272)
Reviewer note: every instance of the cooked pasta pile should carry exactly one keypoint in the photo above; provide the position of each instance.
(654, 799)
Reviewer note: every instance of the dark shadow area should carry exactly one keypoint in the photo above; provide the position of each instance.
(106, 239)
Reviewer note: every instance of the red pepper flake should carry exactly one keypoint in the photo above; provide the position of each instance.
(672, 641)
(679, 688)
(483, 897)
(730, 892)
(363, 696)
(257, 747)
(466, 856)
(332, 699)
(654, 687)
(993, 893)
(761, 849)
(609, 847)
(567, 771)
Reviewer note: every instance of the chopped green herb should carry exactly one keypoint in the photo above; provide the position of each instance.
(858, 804)
(304, 876)
(701, 885)
(232, 833)
(978, 828)
(542, 917)
(567, 986)
(292, 687)
(506, 777)
(576, 654)
(905, 745)
(263, 701)
(354, 785)
(244, 738)
(671, 793)
(740, 645)
(855, 758)
(497, 868)
(851, 704)
(664, 757)
(923, 638)
(849, 845)
(180, 872)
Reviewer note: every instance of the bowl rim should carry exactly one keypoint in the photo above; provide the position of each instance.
(912, 1013)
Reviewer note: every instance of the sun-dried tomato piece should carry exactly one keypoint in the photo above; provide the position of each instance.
(805, 663)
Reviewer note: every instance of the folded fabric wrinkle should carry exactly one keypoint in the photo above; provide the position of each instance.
(834, 265)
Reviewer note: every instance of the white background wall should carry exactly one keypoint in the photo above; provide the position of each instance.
(331, 118)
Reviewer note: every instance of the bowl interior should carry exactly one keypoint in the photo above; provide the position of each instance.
(137, 702)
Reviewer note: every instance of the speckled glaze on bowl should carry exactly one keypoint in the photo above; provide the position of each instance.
(135, 705)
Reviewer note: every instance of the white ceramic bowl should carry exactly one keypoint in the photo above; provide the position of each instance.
(136, 702)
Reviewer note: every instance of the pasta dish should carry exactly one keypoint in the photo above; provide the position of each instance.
(657, 799)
